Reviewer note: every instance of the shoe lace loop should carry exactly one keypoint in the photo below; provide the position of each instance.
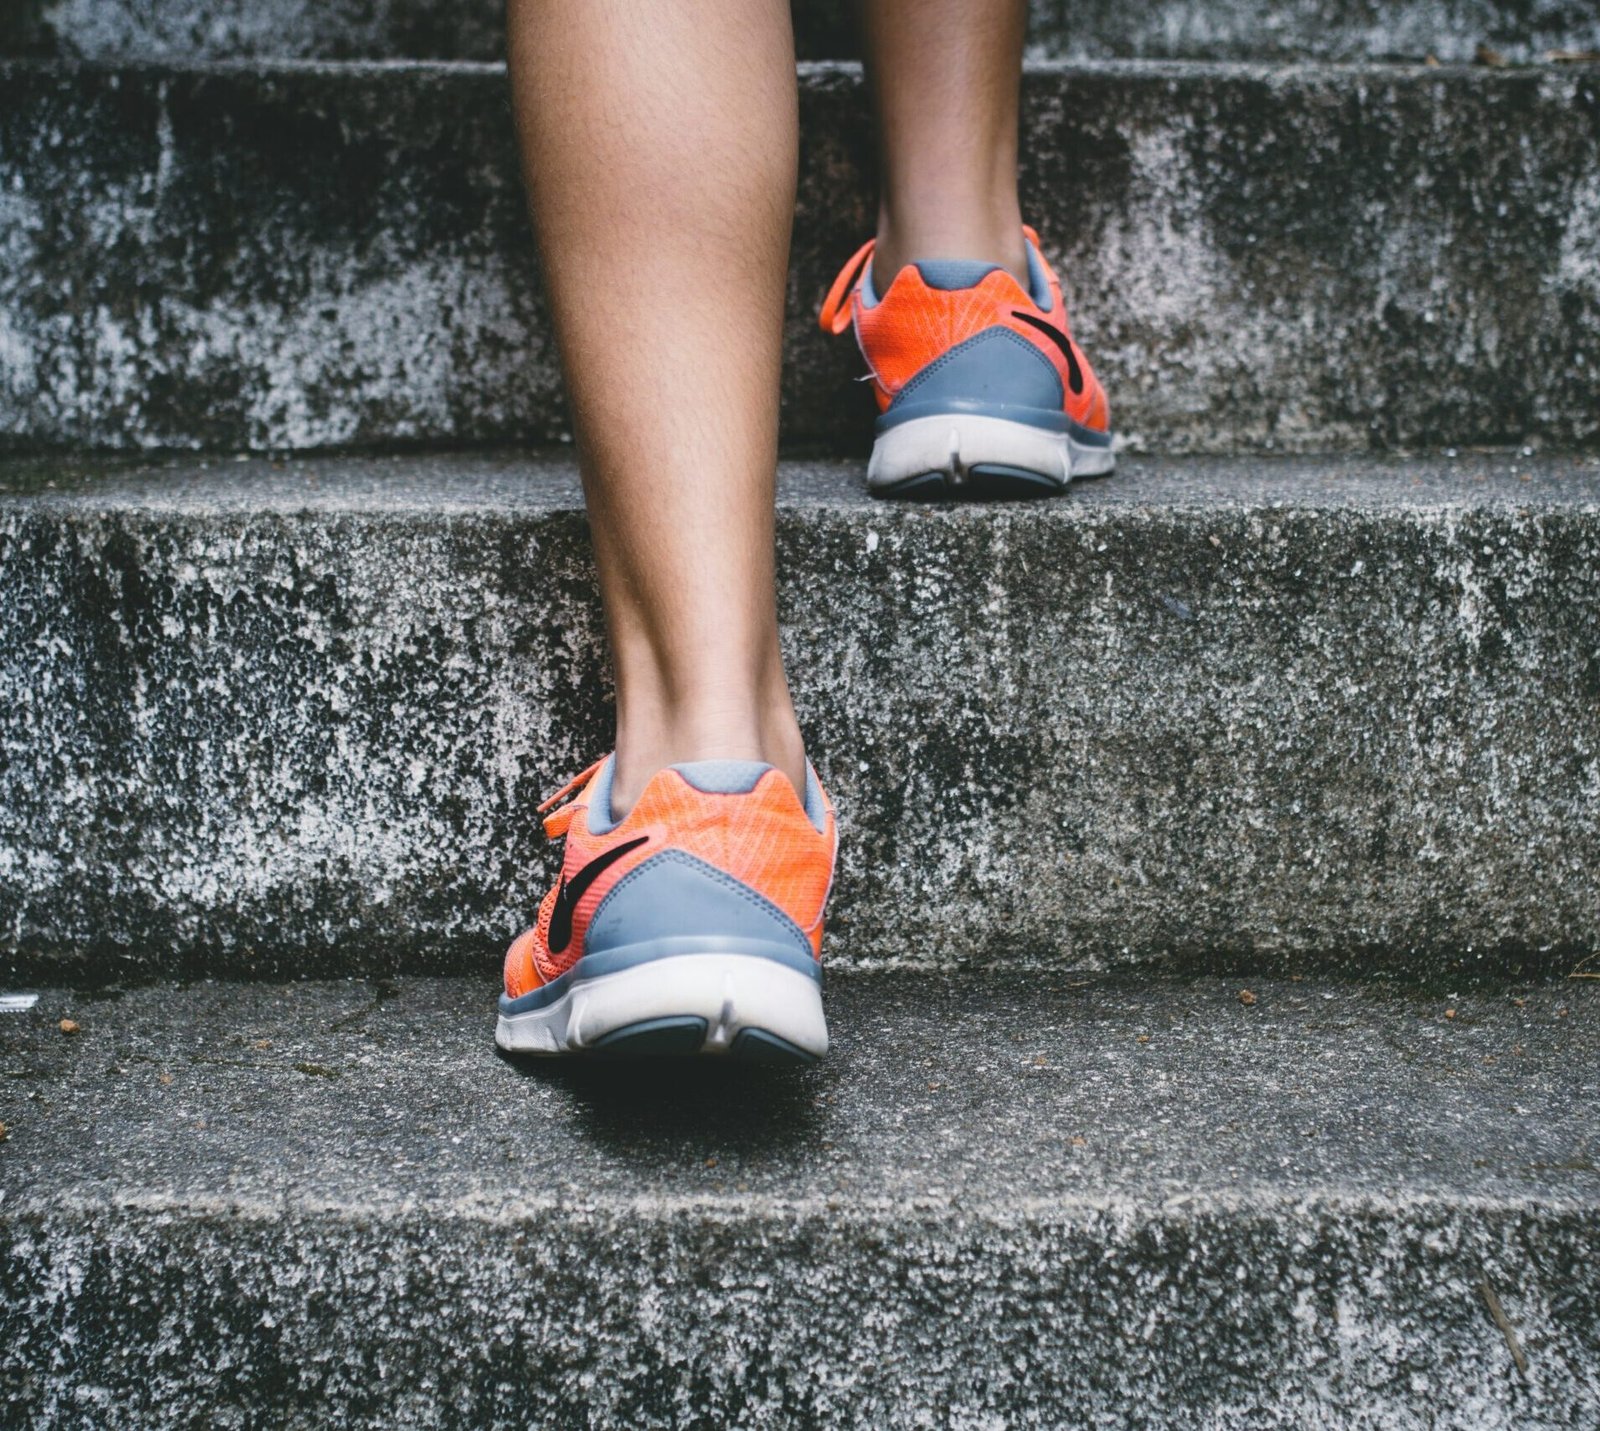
(555, 823)
(835, 315)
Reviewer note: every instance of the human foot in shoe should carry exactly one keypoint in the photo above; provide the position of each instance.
(982, 390)
(691, 925)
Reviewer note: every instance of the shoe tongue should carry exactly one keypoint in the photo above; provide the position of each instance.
(740, 777)
(952, 274)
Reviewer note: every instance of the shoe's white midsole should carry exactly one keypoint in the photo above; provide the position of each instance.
(731, 992)
(955, 443)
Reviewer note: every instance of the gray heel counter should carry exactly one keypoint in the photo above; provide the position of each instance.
(993, 368)
(673, 896)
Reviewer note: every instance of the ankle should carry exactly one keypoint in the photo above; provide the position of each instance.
(647, 746)
(960, 233)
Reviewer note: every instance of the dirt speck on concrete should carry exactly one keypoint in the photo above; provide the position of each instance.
(316, 1070)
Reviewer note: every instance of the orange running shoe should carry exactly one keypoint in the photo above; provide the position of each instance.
(981, 389)
(691, 925)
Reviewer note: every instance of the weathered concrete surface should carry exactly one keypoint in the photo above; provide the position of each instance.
(332, 1205)
(1449, 30)
(301, 257)
(1267, 715)
(182, 30)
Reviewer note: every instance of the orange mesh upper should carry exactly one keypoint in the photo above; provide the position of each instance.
(912, 325)
(762, 838)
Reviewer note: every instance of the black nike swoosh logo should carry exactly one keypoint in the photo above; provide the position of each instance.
(573, 890)
(1060, 339)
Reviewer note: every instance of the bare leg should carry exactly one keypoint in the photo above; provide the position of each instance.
(945, 79)
(660, 144)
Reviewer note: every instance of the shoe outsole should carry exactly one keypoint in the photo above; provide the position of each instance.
(759, 1046)
(982, 457)
(654, 1038)
(685, 1037)
(739, 1006)
(988, 482)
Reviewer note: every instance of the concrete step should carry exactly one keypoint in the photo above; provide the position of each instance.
(1262, 715)
(187, 30)
(308, 256)
(1000, 1202)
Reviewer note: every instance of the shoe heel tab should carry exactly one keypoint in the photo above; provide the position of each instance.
(954, 275)
(743, 777)
(912, 286)
(722, 777)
